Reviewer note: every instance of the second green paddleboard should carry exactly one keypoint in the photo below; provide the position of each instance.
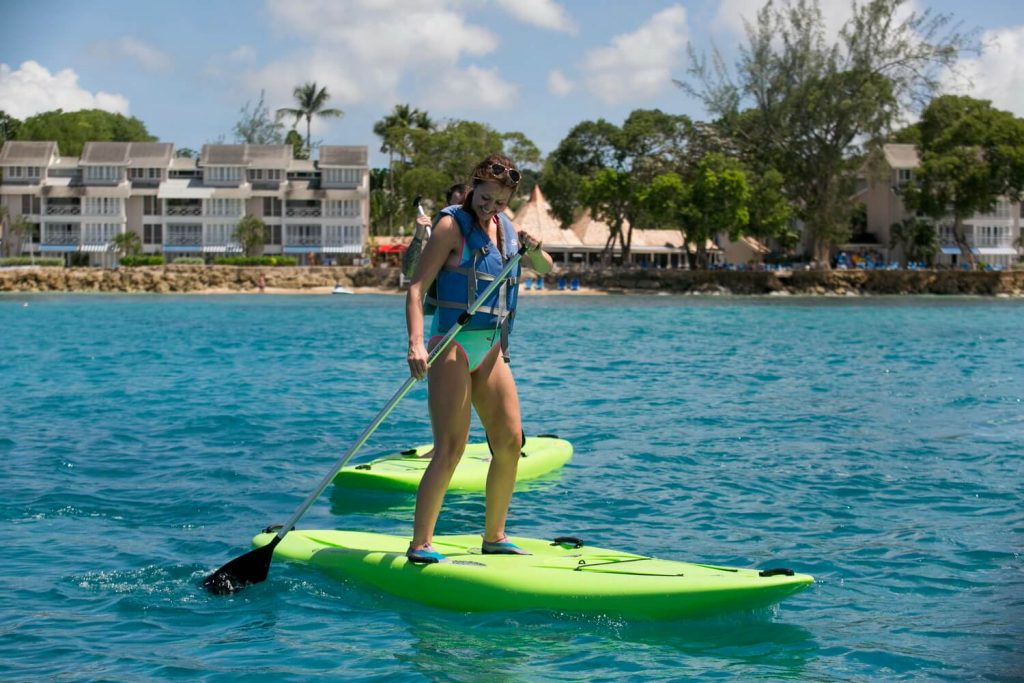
(403, 471)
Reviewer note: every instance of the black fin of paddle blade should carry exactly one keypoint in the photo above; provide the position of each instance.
(242, 571)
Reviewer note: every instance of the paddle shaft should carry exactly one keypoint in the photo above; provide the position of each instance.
(399, 395)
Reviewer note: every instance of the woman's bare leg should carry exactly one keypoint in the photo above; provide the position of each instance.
(497, 403)
(449, 400)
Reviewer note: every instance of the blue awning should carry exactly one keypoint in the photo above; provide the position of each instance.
(58, 247)
(304, 249)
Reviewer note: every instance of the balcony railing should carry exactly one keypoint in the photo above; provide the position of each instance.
(63, 210)
(302, 241)
(183, 239)
(61, 236)
(303, 212)
(184, 211)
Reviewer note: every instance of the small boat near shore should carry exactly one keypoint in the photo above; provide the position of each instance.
(341, 289)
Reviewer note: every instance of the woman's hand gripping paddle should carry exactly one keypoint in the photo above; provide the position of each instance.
(253, 566)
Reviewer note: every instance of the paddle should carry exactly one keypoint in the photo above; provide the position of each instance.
(253, 566)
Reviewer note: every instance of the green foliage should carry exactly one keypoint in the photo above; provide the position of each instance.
(971, 155)
(803, 103)
(189, 261)
(299, 150)
(9, 127)
(186, 153)
(71, 130)
(14, 231)
(251, 233)
(311, 101)
(257, 127)
(255, 261)
(144, 260)
(128, 243)
(916, 240)
(770, 210)
(607, 168)
(31, 261)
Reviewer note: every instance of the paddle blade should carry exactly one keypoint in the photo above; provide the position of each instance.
(252, 567)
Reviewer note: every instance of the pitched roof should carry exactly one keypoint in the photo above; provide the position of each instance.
(535, 217)
(150, 154)
(342, 155)
(269, 156)
(901, 156)
(28, 153)
(590, 231)
(223, 155)
(105, 154)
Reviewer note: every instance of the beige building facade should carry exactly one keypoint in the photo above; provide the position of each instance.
(316, 210)
(993, 237)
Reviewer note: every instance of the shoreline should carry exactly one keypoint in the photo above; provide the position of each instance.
(321, 280)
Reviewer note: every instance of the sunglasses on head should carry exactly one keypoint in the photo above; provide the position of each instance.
(498, 170)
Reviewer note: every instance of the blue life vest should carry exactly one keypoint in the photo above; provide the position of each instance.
(459, 286)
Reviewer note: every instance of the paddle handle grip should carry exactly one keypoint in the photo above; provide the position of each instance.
(400, 394)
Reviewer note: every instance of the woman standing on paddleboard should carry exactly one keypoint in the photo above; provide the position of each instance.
(469, 246)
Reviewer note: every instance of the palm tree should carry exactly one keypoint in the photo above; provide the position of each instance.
(127, 243)
(916, 240)
(311, 100)
(394, 131)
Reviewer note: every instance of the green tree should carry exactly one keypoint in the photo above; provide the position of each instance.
(9, 127)
(395, 131)
(915, 239)
(185, 153)
(251, 233)
(311, 102)
(717, 202)
(294, 139)
(71, 130)
(256, 127)
(15, 232)
(805, 104)
(971, 155)
(770, 210)
(127, 243)
(605, 168)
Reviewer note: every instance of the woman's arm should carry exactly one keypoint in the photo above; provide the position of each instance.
(536, 258)
(444, 240)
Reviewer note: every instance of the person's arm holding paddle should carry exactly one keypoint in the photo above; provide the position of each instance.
(537, 259)
(444, 240)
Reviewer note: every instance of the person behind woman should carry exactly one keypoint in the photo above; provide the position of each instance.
(473, 240)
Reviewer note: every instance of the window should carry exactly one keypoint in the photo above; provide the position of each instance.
(99, 233)
(273, 234)
(223, 207)
(102, 174)
(144, 174)
(23, 172)
(152, 233)
(345, 208)
(223, 174)
(272, 206)
(904, 175)
(30, 205)
(104, 206)
(343, 176)
(151, 206)
(342, 235)
(220, 234)
(266, 174)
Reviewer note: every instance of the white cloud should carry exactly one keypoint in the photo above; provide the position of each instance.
(732, 14)
(472, 88)
(148, 57)
(363, 50)
(997, 74)
(638, 65)
(32, 89)
(542, 13)
(243, 53)
(558, 84)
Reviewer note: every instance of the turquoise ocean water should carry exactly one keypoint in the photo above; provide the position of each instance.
(874, 443)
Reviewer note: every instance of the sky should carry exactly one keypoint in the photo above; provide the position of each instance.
(539, 67)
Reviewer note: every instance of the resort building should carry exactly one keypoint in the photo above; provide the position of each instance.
(316, 210)
(993, 237)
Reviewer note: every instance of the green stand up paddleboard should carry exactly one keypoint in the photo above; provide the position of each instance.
(403, 471)
(561, 575)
